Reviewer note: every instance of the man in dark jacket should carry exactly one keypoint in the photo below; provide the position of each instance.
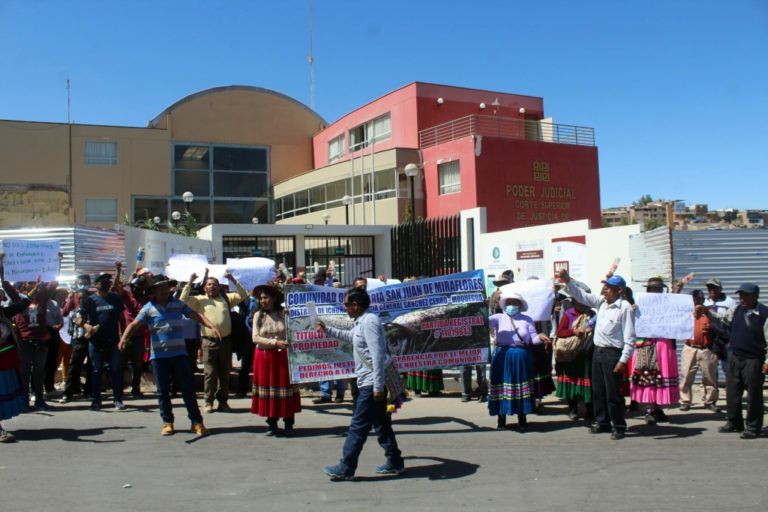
(746, 363)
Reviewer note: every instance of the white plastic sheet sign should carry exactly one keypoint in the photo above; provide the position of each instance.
(181, 266)
(252, 272)
(539, 295)
(664, 315)
(25, 260)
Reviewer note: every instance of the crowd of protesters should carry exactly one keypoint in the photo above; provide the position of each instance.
(150, 320)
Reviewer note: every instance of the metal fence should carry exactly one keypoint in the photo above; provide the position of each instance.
(428, 247)
(506, 128)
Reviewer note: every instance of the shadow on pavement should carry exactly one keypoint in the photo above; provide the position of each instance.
(69, 434)
(442, 469)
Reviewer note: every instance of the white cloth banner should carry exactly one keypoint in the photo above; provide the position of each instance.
(251, 272)
(181, 266)
(25, 260)
(537, 293)
(664, 315)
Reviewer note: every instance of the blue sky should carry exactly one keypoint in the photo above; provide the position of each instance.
(676, 90)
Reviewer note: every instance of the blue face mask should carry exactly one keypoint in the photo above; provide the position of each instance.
(511, 310)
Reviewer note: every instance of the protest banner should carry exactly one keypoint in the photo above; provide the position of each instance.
(664, 315)
(181, 266)
(430, 323)
(539, 295)
(25, 260)
(251, 272)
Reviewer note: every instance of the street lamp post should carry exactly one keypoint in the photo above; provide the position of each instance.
(325, 217)
(347, 200)
(187, 197)
(175, 217)
(157, 220)
(412, 170)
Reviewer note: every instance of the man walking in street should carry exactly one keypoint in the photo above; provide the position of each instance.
(370, 352)
(614, 341)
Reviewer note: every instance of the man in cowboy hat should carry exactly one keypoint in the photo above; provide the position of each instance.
(163, 315)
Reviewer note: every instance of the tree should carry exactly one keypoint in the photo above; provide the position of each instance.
(644, 200)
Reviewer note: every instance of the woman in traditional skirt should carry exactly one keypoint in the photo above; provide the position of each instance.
(574, 378)
(425, 381)
(655, 377)
(273, 395)
(12, 398)
(511, 389)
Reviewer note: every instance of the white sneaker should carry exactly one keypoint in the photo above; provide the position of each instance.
(120, 406)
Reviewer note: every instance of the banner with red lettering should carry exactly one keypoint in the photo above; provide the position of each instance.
(432, 323)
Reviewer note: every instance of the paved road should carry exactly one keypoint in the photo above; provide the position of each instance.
(72, 458)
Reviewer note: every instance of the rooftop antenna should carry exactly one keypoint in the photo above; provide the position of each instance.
(69, 102)
(311, 56)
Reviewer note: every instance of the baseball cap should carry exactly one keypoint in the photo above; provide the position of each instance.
(616, 280)
(714, 282)
(506, 277)
(748, 288)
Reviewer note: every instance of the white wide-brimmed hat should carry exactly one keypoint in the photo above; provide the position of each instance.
(509, 296)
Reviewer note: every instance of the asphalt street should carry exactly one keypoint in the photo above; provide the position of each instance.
(71, 458)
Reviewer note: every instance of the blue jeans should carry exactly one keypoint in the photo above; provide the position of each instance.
(606, 389)
(370, 413)
(105, 353)
(339, 385)
(182, 371)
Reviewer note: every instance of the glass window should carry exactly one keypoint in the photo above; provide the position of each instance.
(197, 182)
(336, 148)
(235, 184)
(200, 208)
(100, 153)
(288, 203)
(385, 184)
(149, 208)
(239, 159)
(301, 202)
(239, 212)
(100, 210)
(192, 157)
(450, 177)
(335, 191)
(317, 198)
(382, 127)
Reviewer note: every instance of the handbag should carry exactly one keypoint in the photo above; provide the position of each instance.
(570, 347)
(392, 382)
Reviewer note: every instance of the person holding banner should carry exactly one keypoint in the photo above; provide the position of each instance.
(697, 355)
(655, 377)
(511, 390)
(370, 352)
(217, 351)
(614, 341)
(12, 397)
(274, 396)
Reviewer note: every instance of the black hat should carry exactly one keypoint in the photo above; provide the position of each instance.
(160, 279)
(506, 277)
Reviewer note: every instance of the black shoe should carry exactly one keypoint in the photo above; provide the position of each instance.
(599, 429)
(483, 399)
(650, 419)
(730, 428)
(501, 422)
(617, 435)
(338, 400)
(322, 400)
(137, 394)
(712, 407)
(750, 434)
(95, 406)
(685, 407)
(660, 416)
